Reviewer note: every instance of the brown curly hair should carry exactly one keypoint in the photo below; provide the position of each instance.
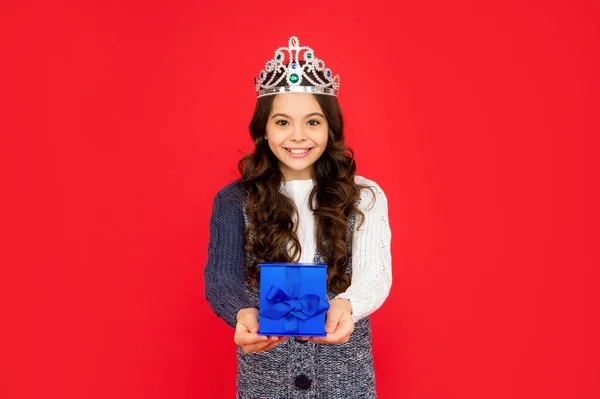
(271, 234)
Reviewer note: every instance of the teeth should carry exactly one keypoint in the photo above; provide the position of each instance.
(298, 152)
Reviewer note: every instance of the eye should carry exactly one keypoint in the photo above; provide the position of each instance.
(313, 122)
(282, 122)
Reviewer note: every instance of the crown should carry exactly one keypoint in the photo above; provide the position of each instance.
(309, 76)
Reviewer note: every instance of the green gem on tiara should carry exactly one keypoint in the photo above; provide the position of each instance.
(294, 78)
(309, 56)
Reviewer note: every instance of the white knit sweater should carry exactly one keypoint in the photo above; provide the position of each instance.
(371, 256)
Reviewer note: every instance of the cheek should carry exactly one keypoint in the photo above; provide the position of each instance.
(270, 138)
(323, 138)
(274, 144)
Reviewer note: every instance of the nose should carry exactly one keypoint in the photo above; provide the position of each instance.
(298, 133)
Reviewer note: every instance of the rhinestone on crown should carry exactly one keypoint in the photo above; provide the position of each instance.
(286, 65)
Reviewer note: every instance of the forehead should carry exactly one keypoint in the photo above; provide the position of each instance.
(295, 104)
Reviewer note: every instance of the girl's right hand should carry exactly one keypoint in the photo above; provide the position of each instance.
(246, 333)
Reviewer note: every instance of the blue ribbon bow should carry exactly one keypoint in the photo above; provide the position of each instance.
(284, 302)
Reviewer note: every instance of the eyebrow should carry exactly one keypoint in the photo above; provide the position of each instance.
(306, 116)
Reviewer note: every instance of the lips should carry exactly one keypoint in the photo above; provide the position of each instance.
(298, 152)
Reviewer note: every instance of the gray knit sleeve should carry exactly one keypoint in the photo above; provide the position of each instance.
(224, 271)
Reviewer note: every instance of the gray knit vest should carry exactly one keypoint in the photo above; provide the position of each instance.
(297, 369)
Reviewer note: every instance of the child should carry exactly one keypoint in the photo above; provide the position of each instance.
(299, 200)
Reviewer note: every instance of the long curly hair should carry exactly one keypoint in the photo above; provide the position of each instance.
(271, 234)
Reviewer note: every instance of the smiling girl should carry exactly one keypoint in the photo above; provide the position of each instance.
(300, 200)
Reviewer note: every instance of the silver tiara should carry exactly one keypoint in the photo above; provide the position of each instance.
(296, 74)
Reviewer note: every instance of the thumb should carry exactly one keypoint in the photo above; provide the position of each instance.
(250, 321)
(333, 318)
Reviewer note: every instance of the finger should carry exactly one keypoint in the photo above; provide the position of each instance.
(333, 318)
(256, 347)
(250, 321)
(322, 340)
(274, 344)
(330, 339)
(326, 339)
(245, 338)
(341, 334)
(343, 331)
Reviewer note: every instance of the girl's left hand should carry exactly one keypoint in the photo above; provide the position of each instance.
(339, 325)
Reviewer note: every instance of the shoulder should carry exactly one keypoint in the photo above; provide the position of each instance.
(233, 194)
(233, 189)
(370, 193)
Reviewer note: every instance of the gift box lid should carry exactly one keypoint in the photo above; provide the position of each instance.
(279, 264)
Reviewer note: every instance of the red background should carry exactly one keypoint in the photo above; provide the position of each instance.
(121, 119)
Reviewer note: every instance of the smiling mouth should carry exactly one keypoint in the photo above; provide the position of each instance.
(298, 151)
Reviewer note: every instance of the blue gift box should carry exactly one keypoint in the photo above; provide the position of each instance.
(293, 299)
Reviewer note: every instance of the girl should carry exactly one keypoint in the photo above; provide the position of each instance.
(299, 200)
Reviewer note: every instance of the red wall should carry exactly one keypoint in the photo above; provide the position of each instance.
(121, 119)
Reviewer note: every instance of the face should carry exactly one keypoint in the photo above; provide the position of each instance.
(297, 132)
